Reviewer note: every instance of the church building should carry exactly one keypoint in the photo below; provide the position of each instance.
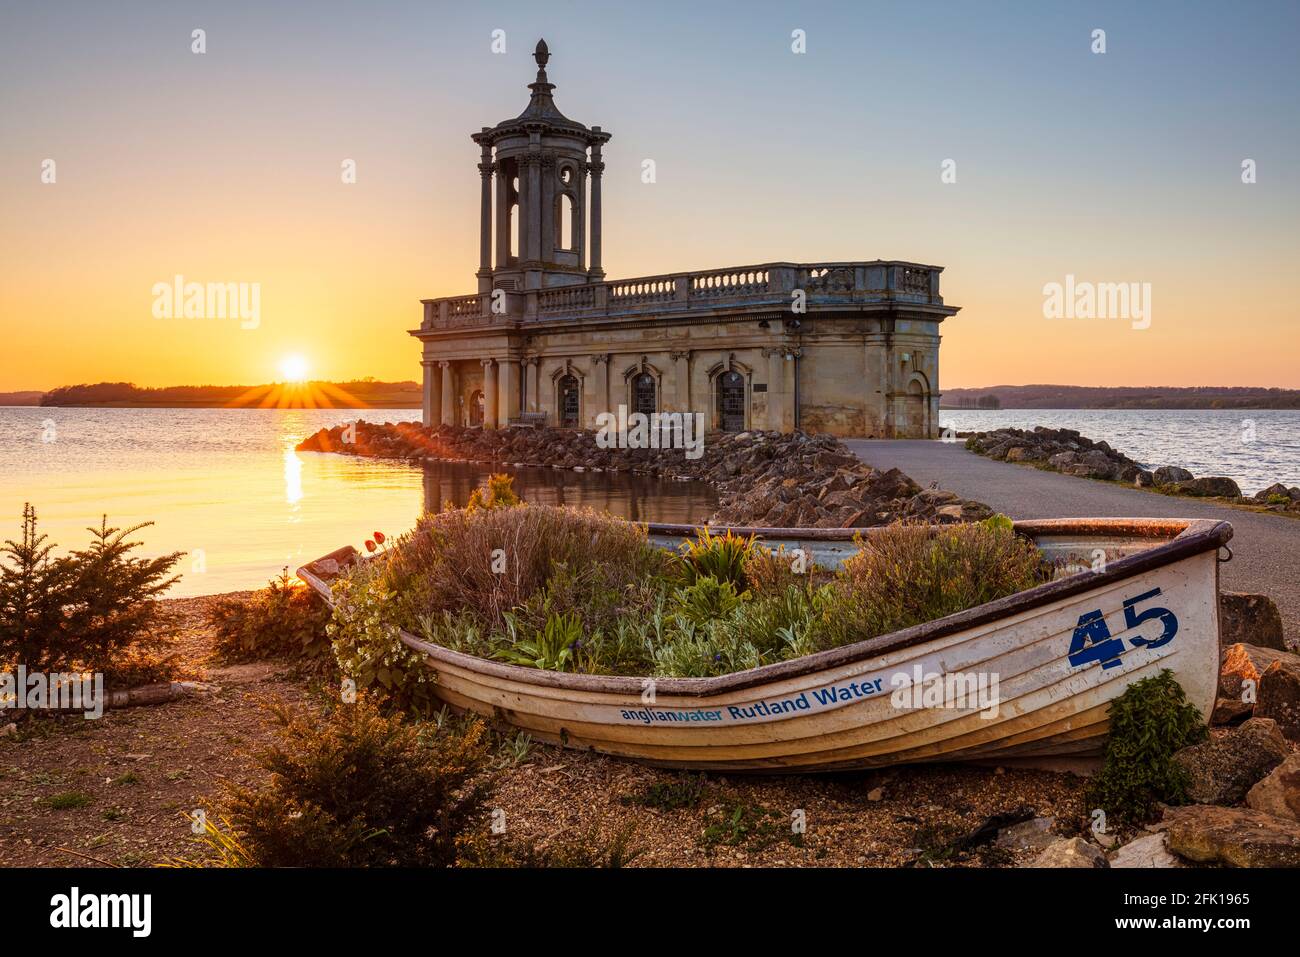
(850, 348)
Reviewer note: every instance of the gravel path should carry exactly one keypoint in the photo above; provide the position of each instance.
(1266, 548)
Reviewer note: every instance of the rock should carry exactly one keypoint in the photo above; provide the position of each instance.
(1152, 850)
(1071, 852)
(1221, 770)
(1275, 491)
(1279, 696)
(876, 794)
(1144, 479)
(1279, 793)
(1238, 837)
(1168, 474)
(1252, 619)
(9, 730)
(1034, 834)
(1246, 662)
(1209, 487)
(1229, 711)
(1061, 459)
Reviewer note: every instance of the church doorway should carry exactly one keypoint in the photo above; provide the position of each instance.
(731, 402)
(569, 402)
(915, 409)
(644, 399)
(476, 408)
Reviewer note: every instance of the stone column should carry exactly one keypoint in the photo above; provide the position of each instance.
(503, 215)
(778, 398)
(532, 206)
(485, 169)
(489, 394)
(508, 392)
(682, 383)
(595, 167)
(432, 396)
(530, 383)
(600, 388)
(448, 398)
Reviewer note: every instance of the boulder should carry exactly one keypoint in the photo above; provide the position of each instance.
(1034, 834)
(1253, 619)
(1222, 770)
(1168, 474)
(1279, 793)
(1061, 459)
(1144, 479)
(1238, 837)
(1071, 852)
(1275, 491)
(1230, 711)
(1151, 850)
(1247, 662)
(1279, 696)
(1215, 486)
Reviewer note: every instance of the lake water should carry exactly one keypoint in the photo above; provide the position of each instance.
(1255, 447)
(226, 486)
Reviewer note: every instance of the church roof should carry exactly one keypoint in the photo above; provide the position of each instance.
(541, 109)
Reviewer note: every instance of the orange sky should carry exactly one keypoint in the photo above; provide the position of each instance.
(226, 168)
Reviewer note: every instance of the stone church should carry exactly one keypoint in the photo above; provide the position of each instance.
(850, 348)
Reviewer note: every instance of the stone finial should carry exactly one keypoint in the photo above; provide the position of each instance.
(541, 54)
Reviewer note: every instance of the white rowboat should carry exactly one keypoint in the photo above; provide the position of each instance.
(1027, 676)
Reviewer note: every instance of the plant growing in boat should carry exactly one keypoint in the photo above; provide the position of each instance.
(722, 557)
(552, 648)
(581, 591)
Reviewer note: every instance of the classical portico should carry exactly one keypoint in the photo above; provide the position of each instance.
(850, 348)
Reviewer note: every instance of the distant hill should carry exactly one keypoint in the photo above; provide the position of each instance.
(1129, 397)
(20, 398)
(358, 394)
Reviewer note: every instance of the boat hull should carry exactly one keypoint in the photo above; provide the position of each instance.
(1030, 676)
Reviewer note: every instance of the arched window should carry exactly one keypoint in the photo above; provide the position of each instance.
(644, 398)
(731, 402)
(570, 406)
(564, 237)
(476, 408)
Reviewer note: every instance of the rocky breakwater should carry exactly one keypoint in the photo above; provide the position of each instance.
(1066, 451)
(774, 479)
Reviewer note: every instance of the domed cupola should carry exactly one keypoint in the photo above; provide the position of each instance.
(546, 213)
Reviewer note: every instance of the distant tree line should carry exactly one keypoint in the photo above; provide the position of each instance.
(1128, 397)
(130, 394)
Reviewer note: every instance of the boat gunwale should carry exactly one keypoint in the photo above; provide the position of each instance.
(1191, 537)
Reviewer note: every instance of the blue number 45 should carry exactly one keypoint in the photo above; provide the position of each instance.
(1092, 639)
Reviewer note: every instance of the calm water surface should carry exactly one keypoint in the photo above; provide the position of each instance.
(226, 486)
(1255, 447)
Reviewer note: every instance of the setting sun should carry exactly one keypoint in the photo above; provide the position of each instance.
(293, 369)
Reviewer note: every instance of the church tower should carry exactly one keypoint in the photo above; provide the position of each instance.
(541, 175)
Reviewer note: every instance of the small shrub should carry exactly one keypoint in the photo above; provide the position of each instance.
(84, 611)
(361, 789)
(500, 493)
(1149, 722)
(367, 647)
(770, 572)
(722, 557)
(283, 620)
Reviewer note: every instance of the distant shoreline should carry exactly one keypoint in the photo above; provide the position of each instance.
(355, 394)
(1078, 397)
